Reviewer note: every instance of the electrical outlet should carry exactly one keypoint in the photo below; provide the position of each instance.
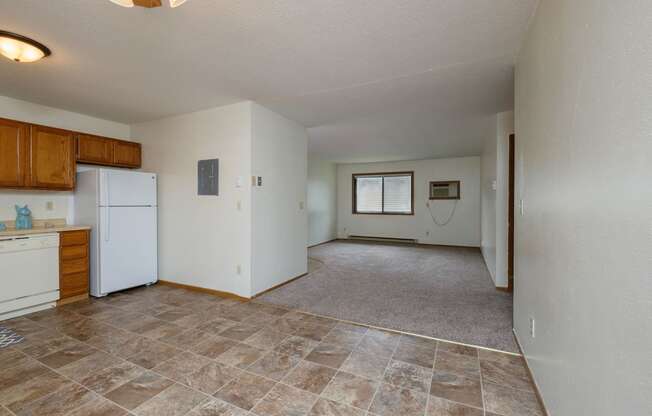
(301, 205)
(49, 206)
(238, 269)
(239, 205)
(260, 181)
(428, 233)
(532, 328)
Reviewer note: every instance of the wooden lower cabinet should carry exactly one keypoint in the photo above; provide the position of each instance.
(74, 264)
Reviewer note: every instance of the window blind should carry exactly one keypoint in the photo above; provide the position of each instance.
(398, 194)
(383, 193)
(369, 194)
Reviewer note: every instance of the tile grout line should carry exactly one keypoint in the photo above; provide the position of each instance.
(124, 360)
(248, 371)
(382, 378)
(484, 404)
(289, 309)
(434, 361)
(362, 325)
(92, 318)
(337, 371)
(209, 396)
(398, 331)
(318, 396)
(74, 382)
(7, 409)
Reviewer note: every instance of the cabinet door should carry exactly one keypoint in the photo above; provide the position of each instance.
(73, 263)
(13, 153)
(126, 154)
(52, 158)
(93, 149)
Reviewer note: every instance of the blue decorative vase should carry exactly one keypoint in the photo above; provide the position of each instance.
(23, 218)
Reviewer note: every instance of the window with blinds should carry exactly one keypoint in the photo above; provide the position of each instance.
(383, 193)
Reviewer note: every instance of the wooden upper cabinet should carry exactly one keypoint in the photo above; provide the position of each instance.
(52, 158)
(110, 152)
(42, 157)
(94, 149)
(14, 142)
(126, 154)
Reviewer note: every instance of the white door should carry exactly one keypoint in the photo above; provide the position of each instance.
(127, 188)
(128, 250)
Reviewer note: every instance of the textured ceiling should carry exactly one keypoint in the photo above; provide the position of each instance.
(372, 79)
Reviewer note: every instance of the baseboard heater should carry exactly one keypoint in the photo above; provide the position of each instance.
(384, 239)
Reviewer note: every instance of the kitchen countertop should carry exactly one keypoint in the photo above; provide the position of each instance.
(12, 232)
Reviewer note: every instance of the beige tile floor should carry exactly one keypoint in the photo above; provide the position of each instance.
(166, 352)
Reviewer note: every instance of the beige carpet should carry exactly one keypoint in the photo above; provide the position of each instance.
(442, 292)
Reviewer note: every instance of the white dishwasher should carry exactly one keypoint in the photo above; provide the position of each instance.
(29, 273)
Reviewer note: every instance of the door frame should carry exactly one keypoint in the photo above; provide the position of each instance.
(510, 219)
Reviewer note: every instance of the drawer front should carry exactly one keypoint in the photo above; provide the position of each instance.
(74, 266)
(74, 252)
(73, 285)
(74, 238)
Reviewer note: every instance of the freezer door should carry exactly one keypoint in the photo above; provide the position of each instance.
(127, 188)
(128, 250)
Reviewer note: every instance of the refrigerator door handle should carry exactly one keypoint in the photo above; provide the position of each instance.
(107, 225)
(106, 189)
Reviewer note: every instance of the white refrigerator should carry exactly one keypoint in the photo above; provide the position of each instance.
(120, 206)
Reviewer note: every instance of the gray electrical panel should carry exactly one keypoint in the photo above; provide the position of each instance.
(207, 177)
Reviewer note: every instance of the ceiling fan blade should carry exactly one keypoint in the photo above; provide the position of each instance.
(124, 3)
(148, 3)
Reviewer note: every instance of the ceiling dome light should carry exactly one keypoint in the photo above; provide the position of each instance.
(124, 3)
(147, 3)
(20, 48)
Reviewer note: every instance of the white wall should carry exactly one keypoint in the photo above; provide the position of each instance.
(322, 201)
(488, 200)
(279, 214)
(495, 167)
(54, 117)
(38, 114)
(584, 170)
(464, 228)
(202, 239)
